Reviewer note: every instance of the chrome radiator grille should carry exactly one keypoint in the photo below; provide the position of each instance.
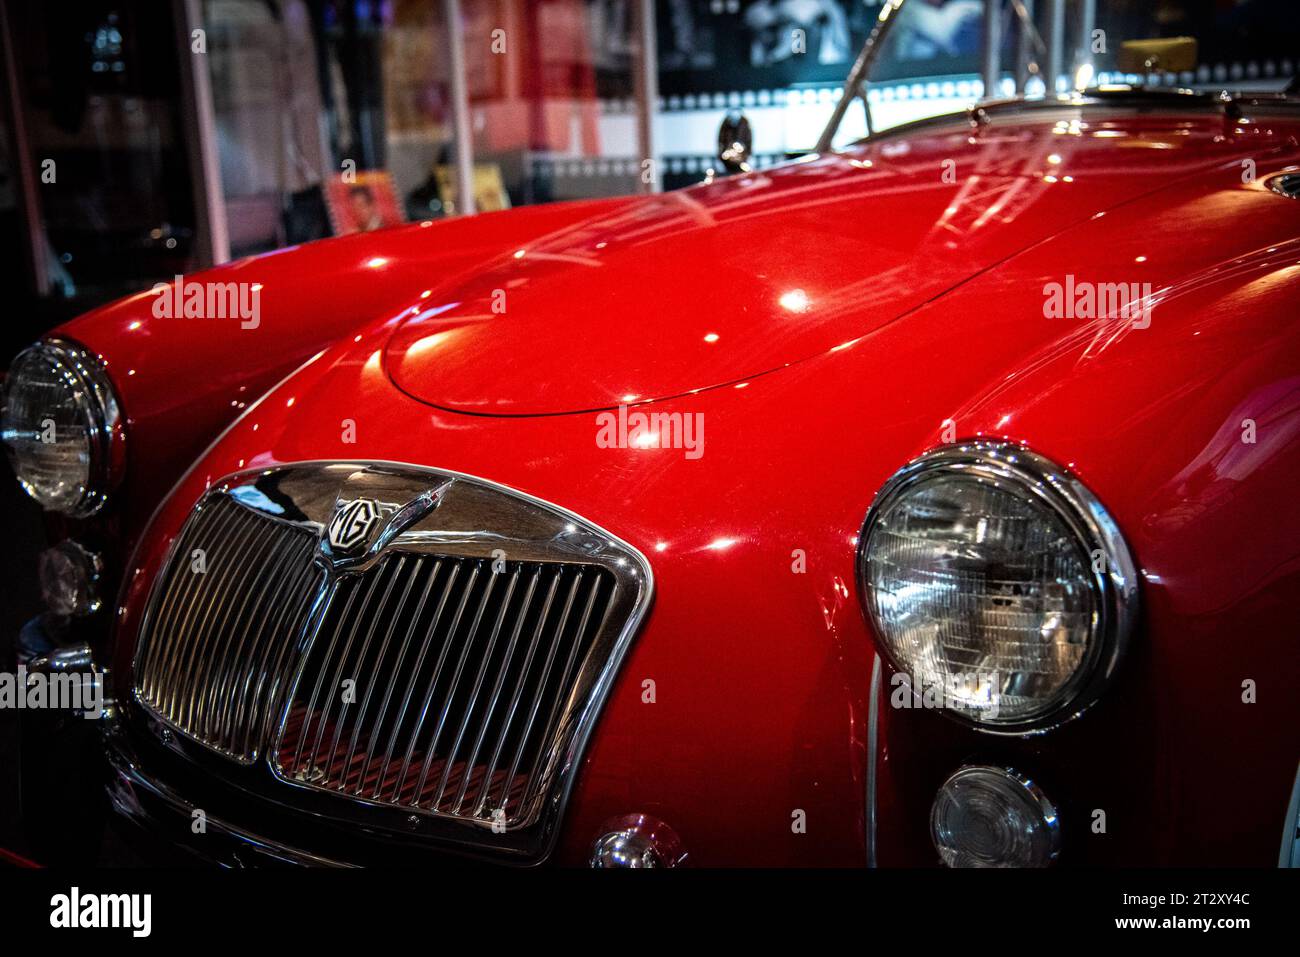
(406, 645)
(459, 675)
(213, 650)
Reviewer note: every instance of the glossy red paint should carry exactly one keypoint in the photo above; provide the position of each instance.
(923, 302)
(182, 381)
(712, 285)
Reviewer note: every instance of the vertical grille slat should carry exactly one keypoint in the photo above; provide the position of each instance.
(179, 623)
(229, 672)
(465, 592)
(576, 645)
(382, 716)
(447, 592)
(471, 697)
(460, 694)
(259, 708)
(156, 655)
(320, 678)
(539, 693)
(347, 627)
(490, 707)
(467, 644)
(407, 669)
(289, 586)
(372, 614)
(244, 570)
(211, 614)
(199, 646)
(485, 795)
(359, 723)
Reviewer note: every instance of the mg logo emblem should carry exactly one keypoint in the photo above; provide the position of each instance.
(353, 523)
(379, 513)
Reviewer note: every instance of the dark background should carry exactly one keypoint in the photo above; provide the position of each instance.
(19, 600)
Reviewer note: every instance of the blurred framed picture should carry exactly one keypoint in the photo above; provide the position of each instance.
(361, 202)
(489, 188)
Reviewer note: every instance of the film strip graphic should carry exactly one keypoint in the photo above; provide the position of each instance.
(944, 88)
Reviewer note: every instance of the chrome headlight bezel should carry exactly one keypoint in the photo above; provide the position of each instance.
(1114, 584)
(102, 413)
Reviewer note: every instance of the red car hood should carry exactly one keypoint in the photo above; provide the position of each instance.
(717, 284)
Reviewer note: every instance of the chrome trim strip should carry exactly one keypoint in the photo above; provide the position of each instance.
(152, 805)
(1075, 504)
(1289, 854)
(873, 756)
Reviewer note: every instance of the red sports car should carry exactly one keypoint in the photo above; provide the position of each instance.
(928, 500)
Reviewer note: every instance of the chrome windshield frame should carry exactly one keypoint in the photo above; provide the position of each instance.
(855, 84)
(1084, 91)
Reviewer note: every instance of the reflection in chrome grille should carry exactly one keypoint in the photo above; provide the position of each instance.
(459, 675)
(216, 643)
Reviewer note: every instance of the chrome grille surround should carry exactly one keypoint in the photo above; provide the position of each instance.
(474, 722)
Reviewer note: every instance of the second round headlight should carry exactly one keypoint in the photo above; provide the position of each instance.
(998, 584)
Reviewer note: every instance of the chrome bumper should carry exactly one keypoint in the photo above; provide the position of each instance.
(164, 814)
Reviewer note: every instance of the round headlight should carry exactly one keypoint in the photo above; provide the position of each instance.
(61, 427)
(998, 585)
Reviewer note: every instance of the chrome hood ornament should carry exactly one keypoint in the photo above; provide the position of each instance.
(371, 508)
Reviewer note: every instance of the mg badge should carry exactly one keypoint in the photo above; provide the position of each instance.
(352, 524)
(371, 509)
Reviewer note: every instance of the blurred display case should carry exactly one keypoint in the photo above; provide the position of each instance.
(145, 139)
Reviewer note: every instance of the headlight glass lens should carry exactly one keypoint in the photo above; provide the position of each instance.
(57, 425)
(993, 817)
(987, 587)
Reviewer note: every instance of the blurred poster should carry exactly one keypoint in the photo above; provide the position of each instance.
(362, 202)
(939, 30)
(780, 30)
(723, 45)
(610, 31)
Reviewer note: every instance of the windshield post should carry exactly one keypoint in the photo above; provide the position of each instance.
(991, 61)
(1054, 60)
(855, 85)
(1084, 69)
